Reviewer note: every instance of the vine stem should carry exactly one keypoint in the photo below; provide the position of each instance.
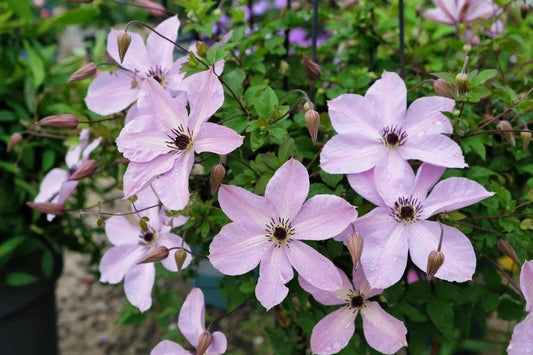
(506, 110)
(504, 274)
(245, 164)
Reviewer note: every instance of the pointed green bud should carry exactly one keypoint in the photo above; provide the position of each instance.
(123, 43)
(354, 242)
(15, 139)
(179, 257)
(507, 249)
(435, 261)
(461, 80)
(203, 343)
(87, 168)
(47, 207)
(505, 126)
(158, 254)
(444, 88)
(311, 68)
(201, 49)
(60, 121)
(85, 72)
(312, 121)
(215, 177)
(142, 223)
(526, 138)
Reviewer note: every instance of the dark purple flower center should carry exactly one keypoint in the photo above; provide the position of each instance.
(393, 137)
(180, 141)
(355, 300)
(158, 74)
(406, 210)
(148, 237)
(280, 232)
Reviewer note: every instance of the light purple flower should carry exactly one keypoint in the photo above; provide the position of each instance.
(269, 231)
(56, 186)
(453, 12)
(378, 130)
(161, 147)
(522, 338)
(112, 92)
(191, 323)
(332, 333)
(399, 224)
(132, 243)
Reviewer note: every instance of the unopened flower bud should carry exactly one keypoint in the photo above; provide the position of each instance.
(15, 139)
(60, 121)
(507, 249)
(155, 9)
(354, 242)
(524, 10)
(435, 261)
(283, 66)
(311, 68)
(526, 138)
(461, 83)
(203, 343)
(87, 168)
(85, 72)
(123, 43)
(201, 49)
(444, 88)
(179, 257)
(47, 207)
(312, 121)
(158, 254)
(505, 126)
(215, 177)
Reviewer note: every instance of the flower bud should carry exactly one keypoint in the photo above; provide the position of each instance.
(215, 177)
(311, 68)
(461, 83)
(505, 126)
(444, 88)
(526, 138)
(85, 72)
(47, 207)
(203, 343)
(15, 139)
(312, 121)
(283, 66)
(179, 257)
(87, 168)
(155, 9)
(524, 10)
(507, 249)
(123, 43)
(201, 49)
(354, 242)
(158, 254)
(435, 261)
(60, 121)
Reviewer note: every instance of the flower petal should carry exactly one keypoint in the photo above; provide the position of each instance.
(138, 175)
(219, 344)
(393, 177)
(439, 16)
(382, 331)
(141, 147)
(51, 185)
(361, 284)
(111, 92)
(363, 183)
(167, 347)
(522, 338)
(67, 188)
(235, 250)
(452, 194)
(117, 261)
(349, 154)
(481, 9)
(191, 320)
(136, 58)
(388, 97)
(144, 205)
(351, 113)
(424, 116)
(333, 332)
(323, 217)
(436, 149)
(426, 177)
(173, 186)
(377, 219)
(328, 298)
(216, 139)
(120, 231)
(288, 189)
(526, 284)
(160, 50)
(313, 266)
(459, 257)
(270, 289)
(138, 285)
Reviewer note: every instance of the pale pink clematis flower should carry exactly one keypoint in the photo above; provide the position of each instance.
(132, 243)
(453, 12)
(332, 333)
(56, 186)
(112, 92)
(399, 224)
(378, 130)
(269, 231)
(161, 149)
(191, 322)
(522, 338)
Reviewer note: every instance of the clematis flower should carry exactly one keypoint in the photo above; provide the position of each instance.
(332, 333)
(379, 131)
(399, 224)
(132, 243)
(191, 323)
(112, 92)
(56, 186)
(522, 338)
(161, 149)
(453, 12)
(269, 231)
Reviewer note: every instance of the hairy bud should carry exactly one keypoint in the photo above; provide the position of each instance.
(203, 343)
(15, 139)
(312, 121)
(507, 249)
(354, 242)
(461, 83)
(179, 257)
(435, 261)
(444, 88)
(311, 68)
(47, 207)
(123, 43)
(85, 72)
(215, 177)
(60, 121)
(526, 138)
(524, 10)
(87, 168)
(505, 126)
(158, 254)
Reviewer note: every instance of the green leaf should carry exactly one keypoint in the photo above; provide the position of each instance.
(525, 106)
(235, 79)
(47, 160)
(446, 76)
(47, 263)
(526, 224)
(476, 144)
(411, 312)
(257, 139)
(18, 278)
(490, 301)
(131, 315)
(330, 179)
(7, 248)
(36, 65)
(483, 76)
(286, 150)
(21, 8)
(510, 310)
(440, 313)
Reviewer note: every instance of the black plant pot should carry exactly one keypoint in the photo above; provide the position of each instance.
(28, 320)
